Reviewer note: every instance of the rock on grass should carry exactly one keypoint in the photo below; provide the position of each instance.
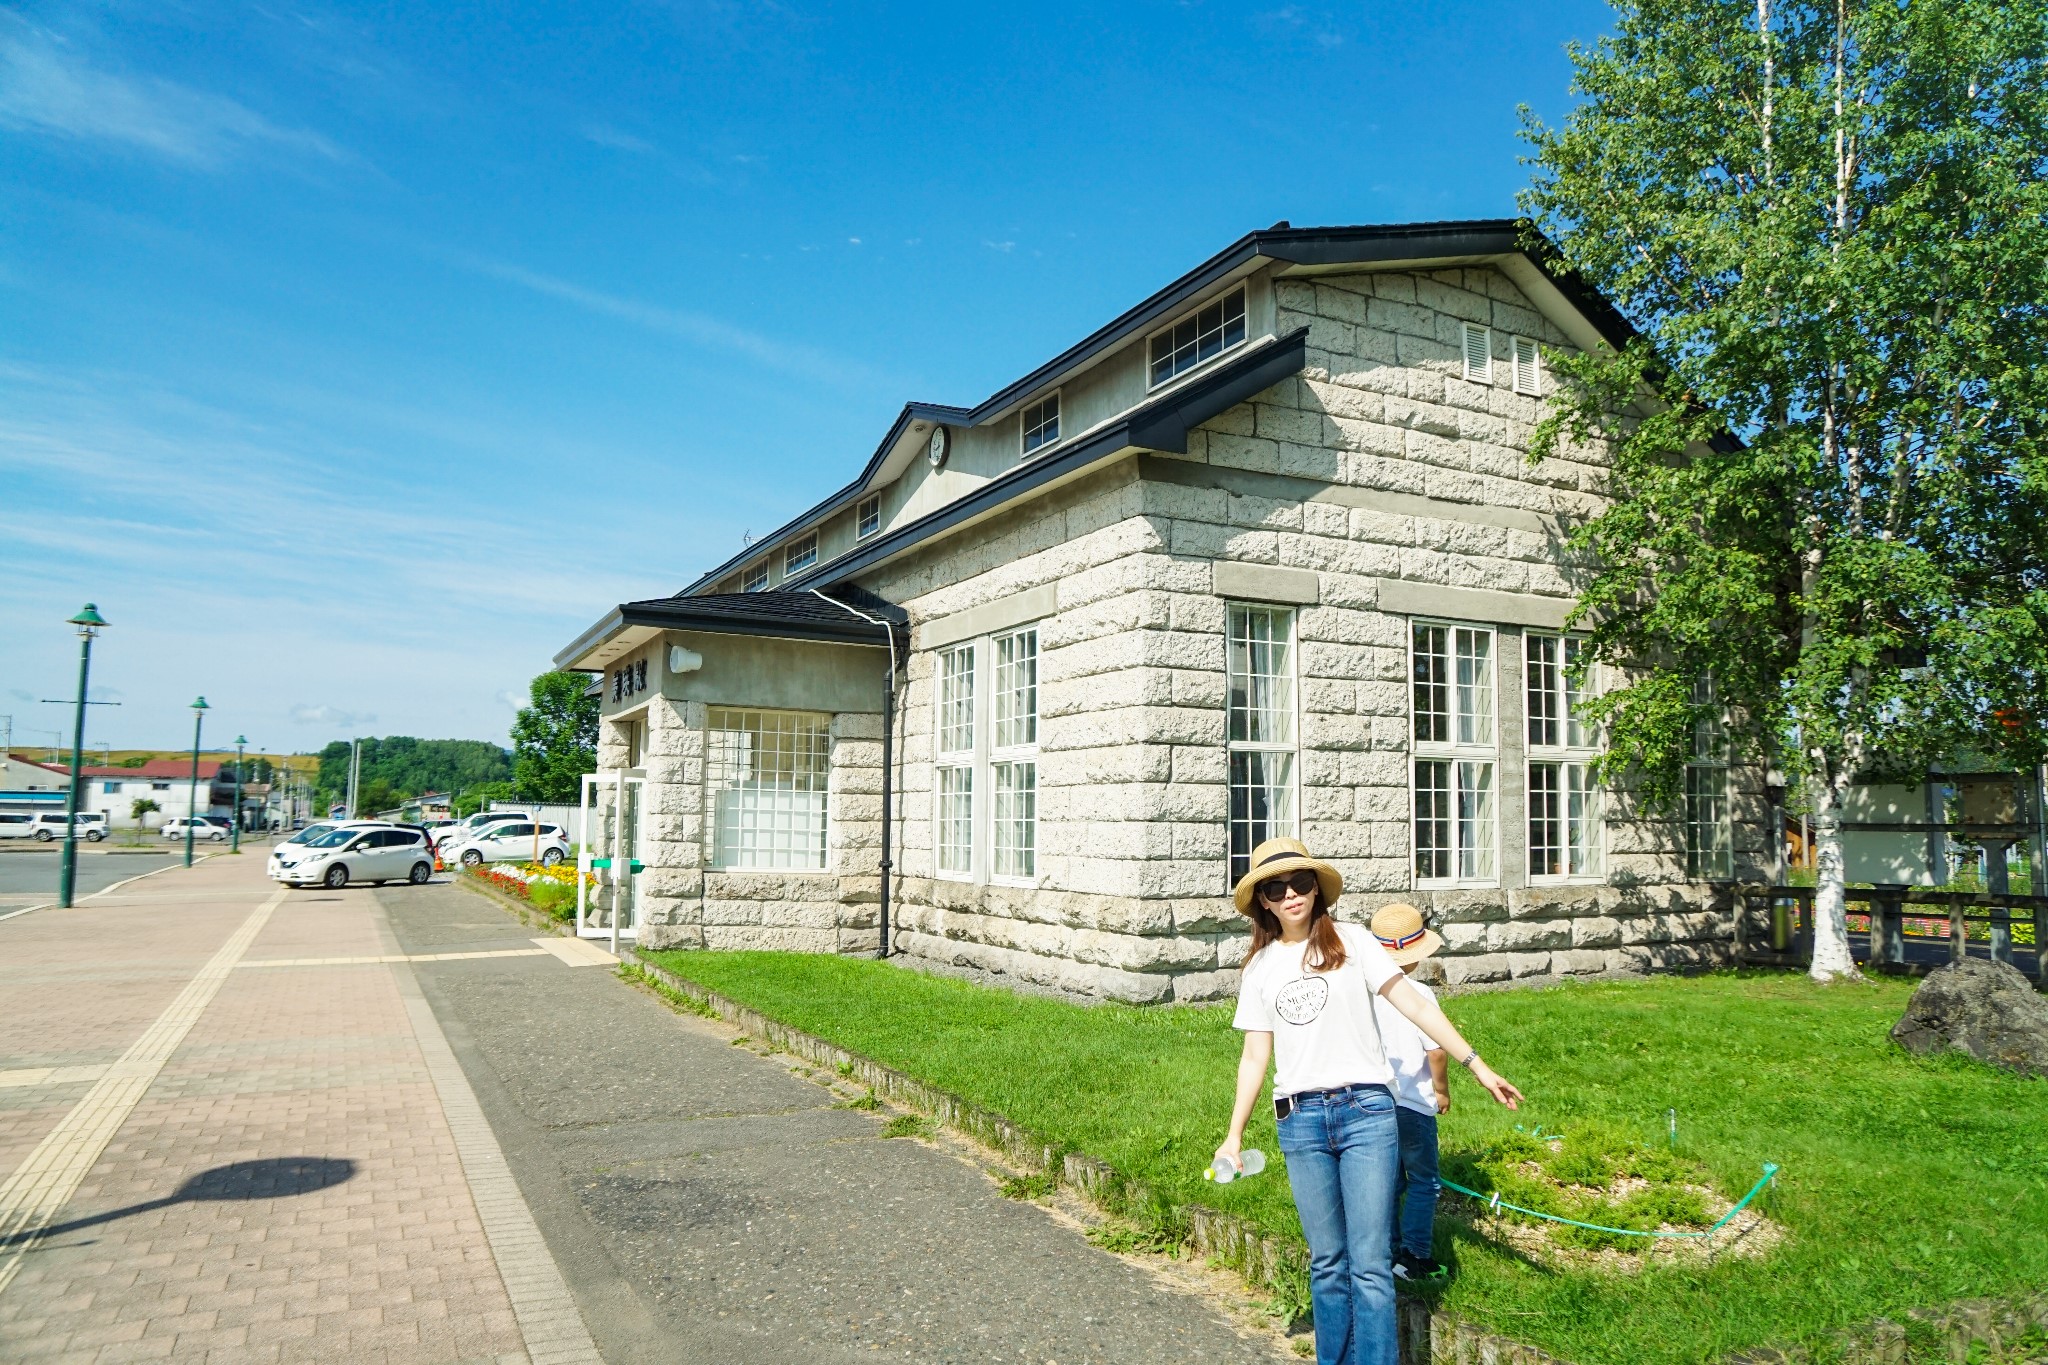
(1985, 1009)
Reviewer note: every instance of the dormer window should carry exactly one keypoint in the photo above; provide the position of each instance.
(800, 555)
(1200, 336)
(867, 517)
(754, 578)
(1042, 423)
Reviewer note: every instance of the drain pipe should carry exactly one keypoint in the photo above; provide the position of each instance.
(888, 762)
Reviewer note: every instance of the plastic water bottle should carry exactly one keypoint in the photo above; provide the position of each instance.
(1251, 1162)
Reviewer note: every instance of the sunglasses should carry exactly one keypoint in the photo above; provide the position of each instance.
(1300, 883)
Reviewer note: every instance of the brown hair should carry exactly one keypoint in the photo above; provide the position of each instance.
(1325, 948)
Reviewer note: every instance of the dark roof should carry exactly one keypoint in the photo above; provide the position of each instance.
(1326, 246)
(791, 614)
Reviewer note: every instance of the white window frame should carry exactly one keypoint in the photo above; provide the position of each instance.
(1559, 740)
(1476, 342)
(799, 555)
(1152, 384)
(754, 578)
(1024, 447)
(1527, 366)
(1481, 747)
(1290, 747)
(977, 761)
(867, 516)
(1709, 846)
(806, 724)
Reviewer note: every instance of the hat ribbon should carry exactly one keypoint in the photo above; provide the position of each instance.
(1397, 944)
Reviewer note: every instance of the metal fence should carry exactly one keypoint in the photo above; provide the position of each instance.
(1896, 929)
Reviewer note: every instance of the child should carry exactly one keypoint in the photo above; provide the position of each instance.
(1422, 1090)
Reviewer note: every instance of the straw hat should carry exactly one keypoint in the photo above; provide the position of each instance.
(1277, 858)
(1400, 930)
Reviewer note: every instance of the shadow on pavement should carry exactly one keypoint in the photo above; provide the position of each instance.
(271, 1178)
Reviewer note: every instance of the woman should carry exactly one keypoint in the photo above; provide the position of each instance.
(1306, 1002)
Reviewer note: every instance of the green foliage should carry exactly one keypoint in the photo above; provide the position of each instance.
(1826, 223)
(557, 900)
(399, 767)
(474, 799)
(141, 806)
(1889, 1192)
(910, 1126)
(554, 740)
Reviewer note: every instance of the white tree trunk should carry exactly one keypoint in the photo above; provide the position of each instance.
(1831, 957)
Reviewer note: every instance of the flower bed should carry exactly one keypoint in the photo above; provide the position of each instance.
(551, 890)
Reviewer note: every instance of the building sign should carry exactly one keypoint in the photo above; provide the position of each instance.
(630, 680)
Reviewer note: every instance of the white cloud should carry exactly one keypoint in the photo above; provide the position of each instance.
(333, 717)
(604, 135)
(999, 246)
(47, 87)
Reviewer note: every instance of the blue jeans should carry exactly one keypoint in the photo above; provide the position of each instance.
(1343, 1157)
(1416, 1190)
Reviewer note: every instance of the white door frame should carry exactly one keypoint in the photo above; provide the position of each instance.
(616, 864)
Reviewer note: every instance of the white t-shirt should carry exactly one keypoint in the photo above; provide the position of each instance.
(1408, 1052)
(1324, 1032)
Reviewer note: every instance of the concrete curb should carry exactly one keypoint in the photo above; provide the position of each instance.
(1428, 1336)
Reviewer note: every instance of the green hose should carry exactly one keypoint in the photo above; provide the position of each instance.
(1494, 1202)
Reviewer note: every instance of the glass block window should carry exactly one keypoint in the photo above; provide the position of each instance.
(1200, 336)
(1042, 423)
(1709, 824)
(768, 773)
(1455, 832)
(800, 555)
(754, 578)
(1260, 729)
(867, 517)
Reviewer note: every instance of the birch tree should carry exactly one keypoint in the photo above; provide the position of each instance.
(1828, 225)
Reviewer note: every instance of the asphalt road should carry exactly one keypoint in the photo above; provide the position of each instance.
(705, 1204)
(31, 878)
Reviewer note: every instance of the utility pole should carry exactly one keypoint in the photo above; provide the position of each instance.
(89, 622)
(192, 792)
(355, 768)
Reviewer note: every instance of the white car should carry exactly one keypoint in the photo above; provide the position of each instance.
(202, 829)
(518, 841)
(49, 825)
(386, 853)
(290, 851)
(17, 824)
(457, 832)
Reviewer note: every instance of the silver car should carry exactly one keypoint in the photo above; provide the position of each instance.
(517, 841)
(385, 854)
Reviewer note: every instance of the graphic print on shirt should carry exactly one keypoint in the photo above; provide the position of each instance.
(1300, 1001)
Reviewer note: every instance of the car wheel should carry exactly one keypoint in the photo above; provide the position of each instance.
(336, 878)
(421, 874)
(550, 857)
(472, 858)
(95, 835)
(43, 836)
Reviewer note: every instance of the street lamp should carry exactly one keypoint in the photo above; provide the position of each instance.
(89, 623)
(192, 793)
(239, 743)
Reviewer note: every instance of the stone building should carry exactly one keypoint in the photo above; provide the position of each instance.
(1265, 554)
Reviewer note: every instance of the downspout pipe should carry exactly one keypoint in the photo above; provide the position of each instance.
(888, 766)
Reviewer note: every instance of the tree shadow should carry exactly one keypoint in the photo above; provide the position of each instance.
(271, 1178)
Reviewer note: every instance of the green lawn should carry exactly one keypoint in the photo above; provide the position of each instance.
(1905, 1182)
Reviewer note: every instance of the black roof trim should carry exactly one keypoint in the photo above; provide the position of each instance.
(1162, 424)
(1362, 245)
(784, 614)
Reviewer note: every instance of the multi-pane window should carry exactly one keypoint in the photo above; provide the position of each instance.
(754, 578)
(800, 555)
(768, 772)
(1478, 352)
(867, 517)
(955, 815)
(1709, 832)
(1455, 753)
(1528, 368)
(1042, 423)
(1201, 335)
(1260, 729)
(1564, 811)
(996, 750)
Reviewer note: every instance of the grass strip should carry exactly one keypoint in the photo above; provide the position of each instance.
(1907, 1182)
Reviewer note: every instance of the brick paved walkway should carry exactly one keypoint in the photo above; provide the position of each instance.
(306, 1177)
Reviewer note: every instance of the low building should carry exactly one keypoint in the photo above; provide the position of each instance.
(1264, 555)
(166, 781)
(26, 785)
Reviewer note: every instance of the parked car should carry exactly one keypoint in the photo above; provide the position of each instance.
(513, 842)
(288, 852)
(49, 825)
(202, 829)
(463, 829)
(385, 853)
(17, 824)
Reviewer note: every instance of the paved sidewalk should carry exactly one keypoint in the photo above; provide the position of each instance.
(292, 1184)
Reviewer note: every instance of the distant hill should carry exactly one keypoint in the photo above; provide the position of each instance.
(398, 767)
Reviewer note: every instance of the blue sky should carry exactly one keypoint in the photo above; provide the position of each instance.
(353, 361)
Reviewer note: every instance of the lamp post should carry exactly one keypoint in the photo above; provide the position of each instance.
(240, 743)
(89, 623)
(192, 793)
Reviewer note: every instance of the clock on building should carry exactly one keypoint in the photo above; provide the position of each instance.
(940, 446)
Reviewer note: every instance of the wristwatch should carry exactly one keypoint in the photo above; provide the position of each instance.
(1469, 1058)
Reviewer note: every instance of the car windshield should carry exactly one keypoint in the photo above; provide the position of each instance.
(309, 834)
(334, 838)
